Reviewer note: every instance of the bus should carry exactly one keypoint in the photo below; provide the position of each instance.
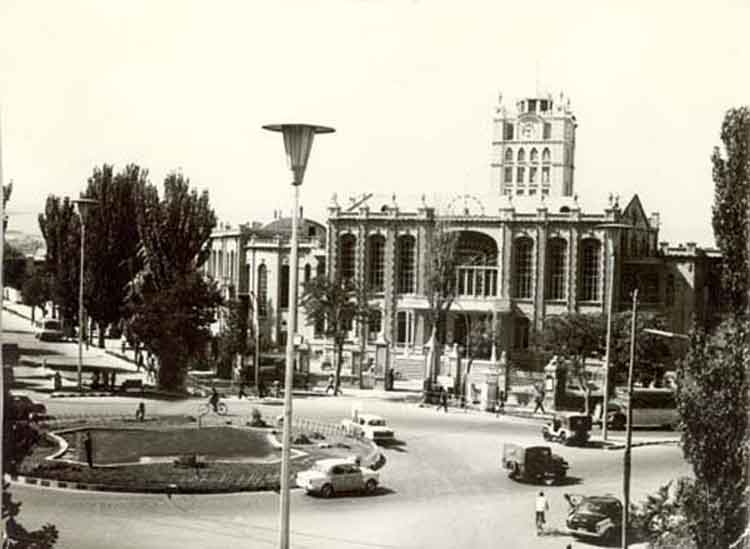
(651, 408)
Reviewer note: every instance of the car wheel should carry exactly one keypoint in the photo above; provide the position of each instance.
(371, 486)
(563, 437)
(515, 472)
(326, 491)
(222, 409)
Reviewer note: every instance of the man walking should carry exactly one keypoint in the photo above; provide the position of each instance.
(443, 399)
(88, 445)
(541, 506)
(539, 400)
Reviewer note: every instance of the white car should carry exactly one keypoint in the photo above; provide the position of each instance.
(368, 426)
(330, 476)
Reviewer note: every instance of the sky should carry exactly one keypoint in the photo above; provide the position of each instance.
(409, 86)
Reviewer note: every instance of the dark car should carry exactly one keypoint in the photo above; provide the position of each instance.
(595, 517)
(23, 408)
(533, 463)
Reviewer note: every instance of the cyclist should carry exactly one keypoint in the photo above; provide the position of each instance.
(214, 400)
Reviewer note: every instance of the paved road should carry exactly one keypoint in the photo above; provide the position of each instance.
(442, 487)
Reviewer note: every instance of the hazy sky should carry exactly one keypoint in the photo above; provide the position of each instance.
(409, 86)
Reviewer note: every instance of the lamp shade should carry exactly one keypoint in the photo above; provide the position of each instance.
(298, 140)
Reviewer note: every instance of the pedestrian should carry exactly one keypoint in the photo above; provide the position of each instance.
(331, 384)
(539, 401)
(58, 381)
(261, 388)
(139, 363)
(241, 393)
(443, 399)
(500, 403)
(88, 445)
(113, 382)
(140, 413)
(541, 506)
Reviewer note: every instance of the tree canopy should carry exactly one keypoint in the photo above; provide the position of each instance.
(60, 228)
(111, 242)
(171, 306)
(731, 208)
(712, 398)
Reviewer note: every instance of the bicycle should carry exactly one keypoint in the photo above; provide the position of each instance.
(221, 408)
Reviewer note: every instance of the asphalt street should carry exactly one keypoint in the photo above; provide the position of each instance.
(442, 487)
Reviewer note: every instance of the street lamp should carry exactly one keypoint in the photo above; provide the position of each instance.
(84, 204)
(610, 228)
(298, 140)
(256, 336)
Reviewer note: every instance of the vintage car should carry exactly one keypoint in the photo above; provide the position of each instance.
(49, 330)
(335, 475)
(23, 408)
(368, 426)
(533, 463)
(594, 517)
(568, 429)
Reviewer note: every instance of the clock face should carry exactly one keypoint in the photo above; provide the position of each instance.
(527, 130)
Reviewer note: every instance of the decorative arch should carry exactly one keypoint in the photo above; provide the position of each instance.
(521, 156)
(546, 156)
(509, 156)
(534, 156)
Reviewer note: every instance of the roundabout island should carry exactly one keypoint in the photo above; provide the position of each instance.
(177, 454)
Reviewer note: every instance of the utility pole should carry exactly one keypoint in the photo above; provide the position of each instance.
(629, 435)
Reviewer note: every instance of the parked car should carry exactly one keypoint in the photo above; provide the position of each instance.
(594, 517)
(23, 408)
(368, 426)
(49, 330)
(568, 429)
(533, 463)
(651, 408)
(335, 475)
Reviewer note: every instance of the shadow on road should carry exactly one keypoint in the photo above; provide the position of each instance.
(27, 352)
(395, 444)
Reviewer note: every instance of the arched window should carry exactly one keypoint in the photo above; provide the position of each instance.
(590, 258)
(284, 287)
(262, 290)
(546, 157)
(521, 156)
(376, 263)
(509, 156)
(221, 263)
(556, 252)
(534, 157)
(308, 272)
(406, 265)
(522, 267)
(348, 245)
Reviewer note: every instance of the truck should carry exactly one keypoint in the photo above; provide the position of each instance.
(533, 464)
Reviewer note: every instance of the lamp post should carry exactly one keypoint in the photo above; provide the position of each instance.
(298, 140)
(629, 435)
(256, 336)
(610, 228)
(83, 204)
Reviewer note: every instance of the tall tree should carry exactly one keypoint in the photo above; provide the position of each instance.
(171, 306)
(712, 398)
(61, 231)
(35, 292)
(234, 338)
(331, 303)
(440, 285)
(653, 351)
(731, 209)
(111, 242)
(14, 267)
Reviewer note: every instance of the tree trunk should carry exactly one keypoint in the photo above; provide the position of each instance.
(33, 314)
(362, 351)
(339, 355)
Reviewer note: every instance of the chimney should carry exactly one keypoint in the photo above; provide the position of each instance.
(691, 247)
(663, 247)
(654, 220)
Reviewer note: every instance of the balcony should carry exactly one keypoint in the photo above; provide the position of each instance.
(476, 281)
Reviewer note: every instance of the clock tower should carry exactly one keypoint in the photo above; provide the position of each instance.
(533, 147)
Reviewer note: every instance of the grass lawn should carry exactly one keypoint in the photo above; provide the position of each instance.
(129, 445)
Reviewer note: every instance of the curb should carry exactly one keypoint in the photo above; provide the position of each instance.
(62, 484)
(621, 446)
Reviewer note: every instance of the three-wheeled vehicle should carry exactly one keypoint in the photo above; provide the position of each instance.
(568, 429)
(533, 463)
